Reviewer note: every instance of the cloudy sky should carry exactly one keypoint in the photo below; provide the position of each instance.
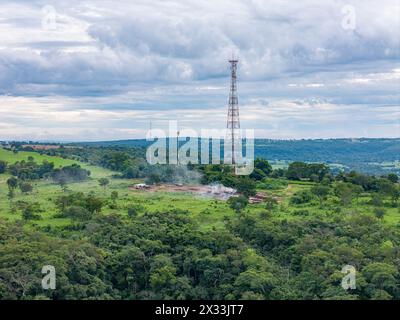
(102, 70)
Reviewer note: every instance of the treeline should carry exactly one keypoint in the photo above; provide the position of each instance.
(113, 158)
(361, 155)
(299, 171)
(24, 172)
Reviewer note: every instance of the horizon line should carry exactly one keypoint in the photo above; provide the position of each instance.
(174, 137)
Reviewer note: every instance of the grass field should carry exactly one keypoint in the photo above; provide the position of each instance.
(209, 213)
(11, 157)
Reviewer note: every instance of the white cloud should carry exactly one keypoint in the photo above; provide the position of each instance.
(105, 63)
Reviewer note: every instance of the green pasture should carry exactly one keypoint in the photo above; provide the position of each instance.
(207, 212)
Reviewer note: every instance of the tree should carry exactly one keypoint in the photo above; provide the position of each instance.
(103, 182)
(301, 197)
(395, 195)
(262, 169)
(93, 204)
(153, 178)
(238, 203)
(134, 210)
(12, 183)
(254, 281)
(162, 274)
(62, 182)
(116, 160)
(382, 276)
(321, 192)
(300, 170)
(114, 195)
(346, 192)
(297, 170)
(25, 187)
(384, 187)
(3, 166)
(318, 169)
(377, 200)
(393, 177)
(10, 195)
(379, 212)
(72, 173)
(77, 213)
(131, 173)
(245, 186)
(30, 210)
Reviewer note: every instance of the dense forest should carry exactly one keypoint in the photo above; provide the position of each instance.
(372, 156)
(107, 242)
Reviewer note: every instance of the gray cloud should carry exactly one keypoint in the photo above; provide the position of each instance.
(159, 56)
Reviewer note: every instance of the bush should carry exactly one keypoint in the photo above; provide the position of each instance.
(379, 212)
(89, 202)
(3, 166)
(391, 177)
(134, 210)
(29, 211)
(376, 201)
(77, 213)
(246, 186)
(104, 182)
(272, 184)
(25, 187)
(302, 213)
(114, 195)
(153, 178)
(302, 197)
(270, 203)
(72, 173)
(238, 203)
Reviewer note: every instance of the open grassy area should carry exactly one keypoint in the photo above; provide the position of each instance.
(45, 191)
(209, 213)
(11, 157)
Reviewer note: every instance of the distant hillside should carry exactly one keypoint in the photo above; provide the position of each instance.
(374, 156)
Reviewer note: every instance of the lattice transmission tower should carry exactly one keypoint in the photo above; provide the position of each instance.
(233, 122)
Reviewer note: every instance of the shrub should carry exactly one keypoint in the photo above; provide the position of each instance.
(134, 210)
(302, 213)
(376, 201)
(25, 187)
(301, 197)
(29, 211)
(3, 166)
(270, 203)
(114, 195)
(77, 213)
(272, 184)
(238, 203)
(379, 212)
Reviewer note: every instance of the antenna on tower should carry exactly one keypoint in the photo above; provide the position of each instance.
(177, 142)
(150, 128)
(233, 122)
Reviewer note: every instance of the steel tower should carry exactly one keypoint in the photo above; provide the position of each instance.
(233, 123)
